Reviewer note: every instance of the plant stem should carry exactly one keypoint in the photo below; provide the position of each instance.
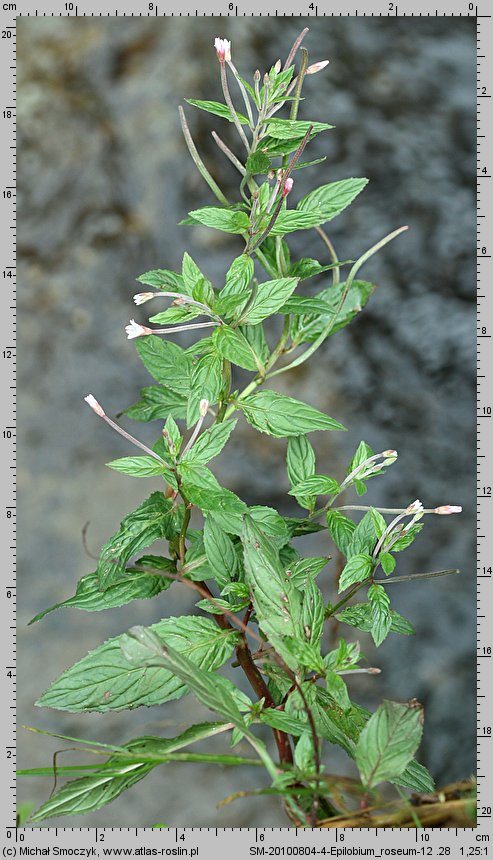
(328, 328)
(199, 164)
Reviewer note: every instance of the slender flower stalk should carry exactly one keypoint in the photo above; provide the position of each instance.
(244, 94)
(136, 330)
(98, 409)
(223, 50)
(232, 157)
(199, 164)
(181, 299)
(415, 508)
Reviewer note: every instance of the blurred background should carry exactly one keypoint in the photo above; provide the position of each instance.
(104, 178)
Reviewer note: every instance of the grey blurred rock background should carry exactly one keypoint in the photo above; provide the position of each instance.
(104, 177)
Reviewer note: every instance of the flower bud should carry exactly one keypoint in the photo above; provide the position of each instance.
(256, 77)
(223, 49)
(415, 508)
(140, 298)
(203, 407)
(93, 403)
(316, 67)
(277, 67)
(443, 510)
(389, 453)
(287, 186)
(134, 329)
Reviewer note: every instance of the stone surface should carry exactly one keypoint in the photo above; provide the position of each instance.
(104, 177)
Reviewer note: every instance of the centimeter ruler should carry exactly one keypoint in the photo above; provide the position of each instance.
(203, 842)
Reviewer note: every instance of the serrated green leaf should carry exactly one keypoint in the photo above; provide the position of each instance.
(206, 383)
(363, 452)
(255, 335)
(388, 742)
(357, 569)
(333, 198)
(226, 220)
(407, 539)
(152, 520)
(300, 461)
(316, 485)
(277, 603)
(270, 296)
(166, 362)
(286, 129)
(416, 777)
(134, 586)
(235, 292)
(258, 162)
(161, 278)
(119, 773)
(105, 681)
(220, 552)
(336, 687)
(364, 536)
(381, 620)
(291, 220)
(210, 443)
(232, 345)
(143, 648)
(341, 530)
(157, 402)
(195, 282)
(139, 467)
(281, 416)
(387, 562)
(307, 329)
(217, 109)
(203, 490)
(360, 616)
(302, 305)
(267, 519)
(304, 568)
(312, 612)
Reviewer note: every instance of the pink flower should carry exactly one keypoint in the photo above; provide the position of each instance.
(317, 67)
(93, 403)
(134, 329)
(287, 186)
(223, 49)
(448, 509)
(203, 407)
(140, 298)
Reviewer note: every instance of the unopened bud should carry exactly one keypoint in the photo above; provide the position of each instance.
(134, 329)
(287, 186)
(203, 407)
(256, 77)
(316, 67)
(266, 78)
(141, 298)
(389, 453)
(448, 509)
(277, 67)
(415, 508)
(95, 406)
(373, 670)
(223, 49)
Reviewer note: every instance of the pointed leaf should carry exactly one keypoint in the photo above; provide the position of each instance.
(158, 402)
(232, 345)
(152, 520)
(210, 443)
(105, 681)
(270, 296)
(217, 109)
(220, 552)
(166, 362)
(226, 220)
(341, 530)
(388, 742)
(331, 199)
(358, 568)
(281, 416)
(139, 467)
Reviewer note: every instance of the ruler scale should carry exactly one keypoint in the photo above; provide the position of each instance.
(261, 842)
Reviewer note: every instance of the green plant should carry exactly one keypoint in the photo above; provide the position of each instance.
(259, 602)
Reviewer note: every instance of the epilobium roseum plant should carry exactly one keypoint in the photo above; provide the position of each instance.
(258, 603)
